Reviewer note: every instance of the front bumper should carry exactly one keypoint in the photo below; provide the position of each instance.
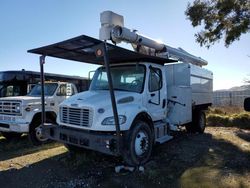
(97, 141)
(19, 127)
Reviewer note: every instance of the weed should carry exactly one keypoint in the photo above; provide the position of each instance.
(218, 117)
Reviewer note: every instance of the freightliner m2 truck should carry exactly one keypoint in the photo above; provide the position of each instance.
(136, 98)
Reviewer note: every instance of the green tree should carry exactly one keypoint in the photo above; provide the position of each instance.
(219, 18)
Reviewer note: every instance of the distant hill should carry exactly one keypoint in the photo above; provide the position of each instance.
(237, 88)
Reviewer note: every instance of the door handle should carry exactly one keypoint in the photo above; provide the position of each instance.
(152, 94)
(163, 103)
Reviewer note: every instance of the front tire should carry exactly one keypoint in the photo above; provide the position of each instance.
(139, 144)
(35, 132)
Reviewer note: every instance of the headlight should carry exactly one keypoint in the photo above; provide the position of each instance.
(111, 120)
(18, 108)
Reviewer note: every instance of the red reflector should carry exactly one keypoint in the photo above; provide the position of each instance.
(98, 53)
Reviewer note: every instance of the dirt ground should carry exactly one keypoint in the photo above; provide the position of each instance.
(218, 158)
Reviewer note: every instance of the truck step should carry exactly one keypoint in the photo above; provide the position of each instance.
(163, 139)
(173, 127)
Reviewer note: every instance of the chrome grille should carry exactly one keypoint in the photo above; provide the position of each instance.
(76, 116)
(10, 107)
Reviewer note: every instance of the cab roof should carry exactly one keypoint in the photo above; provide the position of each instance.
(83, 49)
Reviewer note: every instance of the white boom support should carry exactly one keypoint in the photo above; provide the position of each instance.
(112, 29)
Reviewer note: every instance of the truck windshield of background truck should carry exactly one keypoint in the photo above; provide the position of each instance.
(125, 78)
(1, 90)
(49, 89)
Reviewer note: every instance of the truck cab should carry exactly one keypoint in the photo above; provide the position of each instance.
(22, 114)
(138, 89)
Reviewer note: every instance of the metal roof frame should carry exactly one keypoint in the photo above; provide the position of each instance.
(83, 49)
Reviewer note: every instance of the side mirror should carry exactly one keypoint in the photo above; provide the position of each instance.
(69, 91)
(247, 104)
(90, 77)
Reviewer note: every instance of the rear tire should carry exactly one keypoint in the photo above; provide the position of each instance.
(11, 135)
(200, 122)
(139, 144)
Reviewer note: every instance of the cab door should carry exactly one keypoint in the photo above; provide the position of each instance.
(156, 93)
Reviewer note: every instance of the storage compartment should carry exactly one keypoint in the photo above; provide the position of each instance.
(179, 105)
(187, 86)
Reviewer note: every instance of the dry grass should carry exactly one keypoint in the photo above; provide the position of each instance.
(228, 117)
(226, 110)
(219, 168)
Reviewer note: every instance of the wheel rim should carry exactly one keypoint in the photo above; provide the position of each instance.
(141, 143)
(202, 121)
(39, 135)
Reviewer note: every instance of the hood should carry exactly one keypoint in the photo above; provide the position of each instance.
(101, 98)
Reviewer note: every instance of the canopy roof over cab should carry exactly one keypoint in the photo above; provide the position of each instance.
(83, 49)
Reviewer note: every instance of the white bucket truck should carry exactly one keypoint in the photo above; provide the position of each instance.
(22, 114)
(136, 98)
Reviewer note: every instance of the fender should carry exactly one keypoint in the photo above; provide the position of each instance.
(133, 112)
(49, 114)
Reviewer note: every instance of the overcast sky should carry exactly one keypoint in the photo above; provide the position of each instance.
(30, 24)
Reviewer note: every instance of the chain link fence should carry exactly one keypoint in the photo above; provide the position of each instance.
(230, 98)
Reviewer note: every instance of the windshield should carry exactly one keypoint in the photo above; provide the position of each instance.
(49, 89)
(125, 78)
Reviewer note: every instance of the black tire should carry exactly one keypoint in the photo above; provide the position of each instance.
(140, 135)
(35, 134)
(11, 135)
(200, 122)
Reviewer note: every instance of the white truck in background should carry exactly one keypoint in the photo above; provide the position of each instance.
(137, 99)
(22, 114)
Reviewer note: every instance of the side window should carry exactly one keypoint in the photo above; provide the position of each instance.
(155, 79)
(102, 81)
(62, 90)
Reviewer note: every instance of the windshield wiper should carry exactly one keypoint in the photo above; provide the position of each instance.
(119, 89)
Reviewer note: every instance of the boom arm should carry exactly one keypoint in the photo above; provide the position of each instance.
(112, 29)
